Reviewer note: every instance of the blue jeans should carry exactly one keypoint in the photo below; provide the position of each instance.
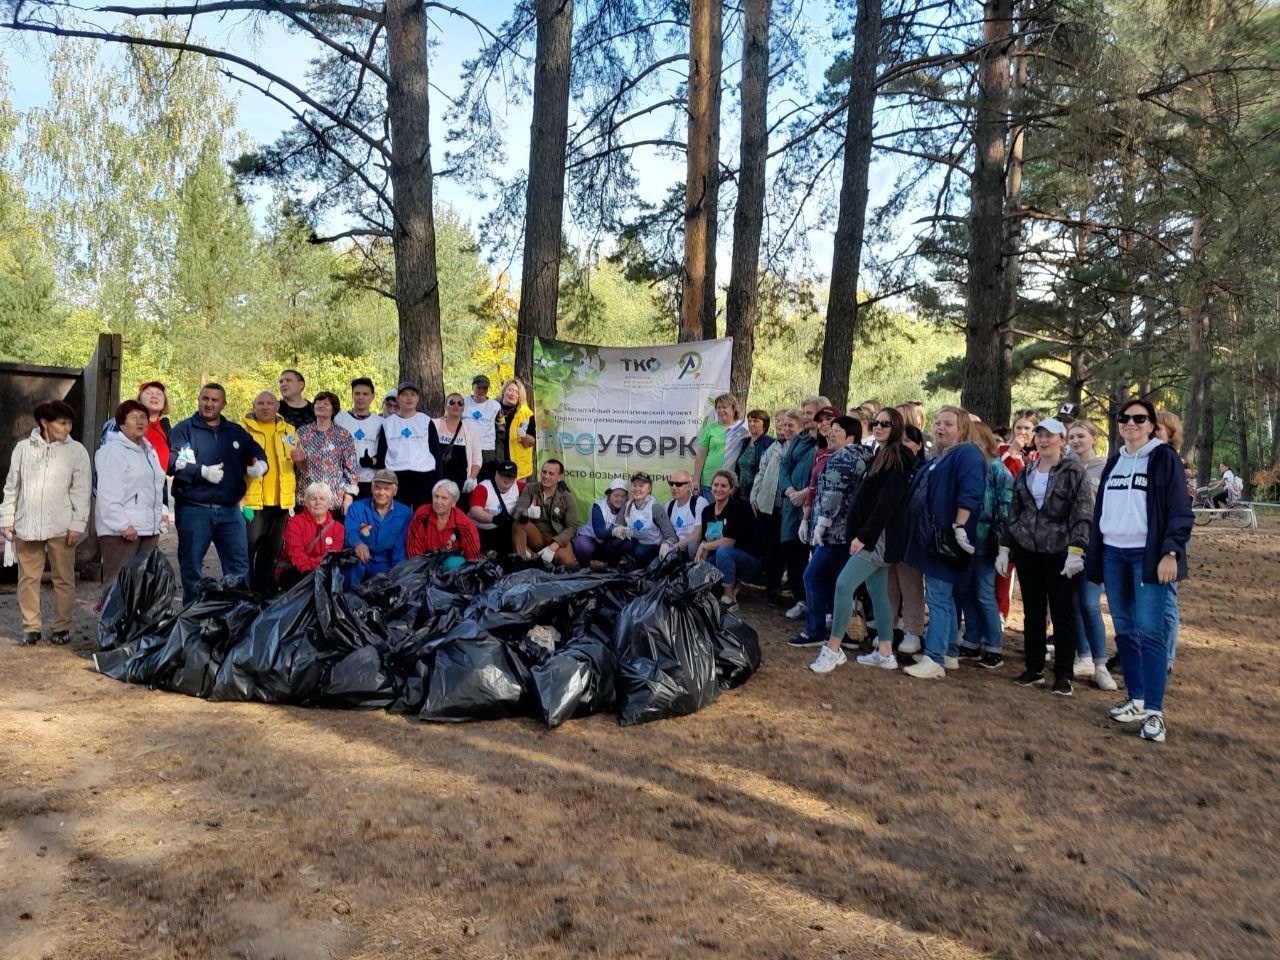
(734, 563)
(1091, 632)
(1138, 612)
(978, 604)
(940, 638)
(198, 527)
(1171, 620)
(820, 586)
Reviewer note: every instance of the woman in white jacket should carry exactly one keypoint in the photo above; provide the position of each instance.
(129, 511)
(45, 512)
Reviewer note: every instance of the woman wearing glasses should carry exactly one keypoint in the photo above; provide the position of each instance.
(1138, 549)
(460, 455)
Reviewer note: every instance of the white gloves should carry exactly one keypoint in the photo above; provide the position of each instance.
(805, 538)
(1002, 562)
(548, 553)
(665, 549)
(256, 469)
(820, 531)
(533, 512)
(962, 539)
(623, 532)
(212, 474)
(1074, 565)
(469, 484)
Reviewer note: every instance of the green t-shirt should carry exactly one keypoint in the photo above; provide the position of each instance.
(711, 439)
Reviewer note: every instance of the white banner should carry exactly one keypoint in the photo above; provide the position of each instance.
(612, 411)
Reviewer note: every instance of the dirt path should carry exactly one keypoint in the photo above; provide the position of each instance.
(860, 815)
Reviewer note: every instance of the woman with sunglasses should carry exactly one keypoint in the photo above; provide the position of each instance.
(1142, 524)
(876, 530)
(460, 455)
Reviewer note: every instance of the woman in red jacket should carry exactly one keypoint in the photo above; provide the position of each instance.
(308, 536)
(441, 526)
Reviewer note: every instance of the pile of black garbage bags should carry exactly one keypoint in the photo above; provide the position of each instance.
(473, 643)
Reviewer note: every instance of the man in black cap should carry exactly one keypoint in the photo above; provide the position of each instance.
(479, 410)
(491, 504)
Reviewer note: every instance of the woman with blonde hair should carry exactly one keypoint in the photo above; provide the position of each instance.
(1091, 631)
(513, 428)
(983, 637)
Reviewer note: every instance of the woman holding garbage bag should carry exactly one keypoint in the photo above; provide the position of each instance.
(825, 526)
(309, 535)
(1138, 547)
(439, 526)
(129, 510)
(1046, 535)
(942, 513)
(876, 533)
(44, 513)
(642, 526)
(728, 531)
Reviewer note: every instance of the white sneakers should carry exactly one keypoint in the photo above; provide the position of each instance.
(875, 659)
(1082, 669)
(798, 611)
(951, 663)
(910, 643)
(1127, 712)
(1102, 677)
(828, 660)
(926, 669)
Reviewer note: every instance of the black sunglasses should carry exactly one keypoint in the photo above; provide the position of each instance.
(1134, 417)
(677, 483)
(887, 424)
(456, 403)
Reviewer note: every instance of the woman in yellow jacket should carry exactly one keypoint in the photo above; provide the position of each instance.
(514, 428)
(269, 500)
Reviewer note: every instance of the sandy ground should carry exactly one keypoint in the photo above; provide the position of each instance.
(858, 815)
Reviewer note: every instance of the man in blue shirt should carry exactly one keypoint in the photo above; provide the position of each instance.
(209, 458)
(376, 529)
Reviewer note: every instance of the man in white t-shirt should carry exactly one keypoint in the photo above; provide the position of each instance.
(1231, 487)
(480, 410)
(685, 512)
(365, 428)
(490, 508)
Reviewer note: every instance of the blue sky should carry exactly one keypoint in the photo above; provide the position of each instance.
(287, 54)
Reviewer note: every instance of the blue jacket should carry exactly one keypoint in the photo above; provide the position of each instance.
(228, 444)
(384, 536)
(797, 464)
(1169, 516)
(956, 480)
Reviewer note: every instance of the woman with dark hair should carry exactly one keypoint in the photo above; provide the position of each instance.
(793, 476)
(1024, 435)
(728, 537)
(906, 583)
(329, 454)
(460, 454)
(946, 496)
(875, 532)
(753, 451)
(44, 513)
(1141, 527)
(129, 509)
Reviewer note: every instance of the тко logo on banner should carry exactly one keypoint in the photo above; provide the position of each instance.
(643, 365)
(691, 364)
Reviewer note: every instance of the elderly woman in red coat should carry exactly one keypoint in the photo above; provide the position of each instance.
(439, 526)
(308, 536)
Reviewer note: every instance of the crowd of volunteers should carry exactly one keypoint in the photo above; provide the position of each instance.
(871, 521)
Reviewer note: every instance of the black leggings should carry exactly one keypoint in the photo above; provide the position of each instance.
(265, 534)
(796, 557)
(1046, 590)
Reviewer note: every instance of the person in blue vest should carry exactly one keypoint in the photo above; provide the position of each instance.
(209, 458)
(377, 529)
(642, 526)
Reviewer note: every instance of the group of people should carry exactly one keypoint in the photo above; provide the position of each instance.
(838, 510)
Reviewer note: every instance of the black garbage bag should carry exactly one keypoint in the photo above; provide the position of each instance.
(475, 676)
(737, 652)
(283, 656)
(359, 681)
(577, 680)
(139, 602)
(667, 656)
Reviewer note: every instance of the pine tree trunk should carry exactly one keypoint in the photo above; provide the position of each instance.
(702, 180)
(842, 302)
(544, 204)
(1197, 310)
(986, 375)
(742, 304)
(417, 290)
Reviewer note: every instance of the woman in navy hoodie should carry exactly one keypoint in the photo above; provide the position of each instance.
(943, 504)
(1138, 548)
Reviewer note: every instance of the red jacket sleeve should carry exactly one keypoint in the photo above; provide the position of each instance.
(416, 542)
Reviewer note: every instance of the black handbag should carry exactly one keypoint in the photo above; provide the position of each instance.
(942, 546)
